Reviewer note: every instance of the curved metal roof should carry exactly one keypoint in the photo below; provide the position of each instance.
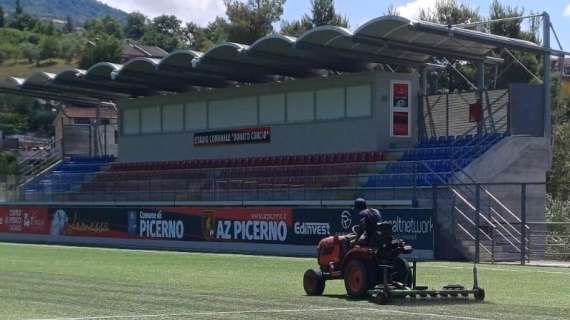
(388, 39)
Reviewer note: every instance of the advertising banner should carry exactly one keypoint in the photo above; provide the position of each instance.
(400, 105)
(400, 95)
(24, 220)
(415, 226)
(235, 136)
(107, 222)
(266, 225)
(400, 124)
(300, 226)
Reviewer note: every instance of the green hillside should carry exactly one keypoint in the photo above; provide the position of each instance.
(79, 10)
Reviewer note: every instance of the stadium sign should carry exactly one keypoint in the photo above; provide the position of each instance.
(235, 136)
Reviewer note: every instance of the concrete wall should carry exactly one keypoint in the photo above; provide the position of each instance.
(323, 136)
(521, 159)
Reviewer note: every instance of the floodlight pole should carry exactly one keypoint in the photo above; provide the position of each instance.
(546, 82)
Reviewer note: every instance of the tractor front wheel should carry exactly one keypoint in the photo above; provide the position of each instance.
(356, 279)
(314, 282)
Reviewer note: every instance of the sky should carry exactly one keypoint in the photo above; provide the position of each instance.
(357, 11)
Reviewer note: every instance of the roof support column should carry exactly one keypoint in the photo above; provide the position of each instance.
(546, 82)
(480, 89)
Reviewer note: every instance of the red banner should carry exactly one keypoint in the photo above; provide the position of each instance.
(400, 124)
(400, 95)
(24, 220)
(475, 111)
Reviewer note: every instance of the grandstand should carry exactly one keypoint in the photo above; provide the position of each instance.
(321, 118)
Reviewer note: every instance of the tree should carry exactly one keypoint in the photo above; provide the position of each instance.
(2, 22)
(195, 37)
(154, 38)
(30, 51)
(217, 31)
(296, 27)
(251, 20)
(105, 49)
(450, 12)
(104, 26)
(48, 48)
(165, 32)
(23, 22)
(510, 70)
(8, 164)
(69, 49)
(44, 27)
(167, 25)
(8, 51)
(392, 10)
(136, 25)
(69, 27)
(558, 178)
(19, 9)
(322, 13)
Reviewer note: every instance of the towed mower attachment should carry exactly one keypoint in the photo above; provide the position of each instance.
(386, 292)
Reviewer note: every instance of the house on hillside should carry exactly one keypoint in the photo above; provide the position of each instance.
(134, 49)
(76, 130)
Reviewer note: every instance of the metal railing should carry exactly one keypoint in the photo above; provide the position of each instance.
(550, 240)
(33, 165)
(488, 229)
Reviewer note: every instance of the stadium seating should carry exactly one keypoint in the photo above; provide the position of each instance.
(67, 175)
(334, 158)
(433, 161)
(299, 171)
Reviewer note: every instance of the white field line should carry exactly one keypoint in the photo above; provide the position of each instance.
(522, 269)
(154, 251)
(211, 313)
(425, 315)
(270, 311)
(529, 268)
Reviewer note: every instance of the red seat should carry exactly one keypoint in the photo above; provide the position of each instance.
(353, 157)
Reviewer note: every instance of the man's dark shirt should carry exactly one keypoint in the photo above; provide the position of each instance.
(369, 218)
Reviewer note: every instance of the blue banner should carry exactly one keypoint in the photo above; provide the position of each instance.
(415, 226)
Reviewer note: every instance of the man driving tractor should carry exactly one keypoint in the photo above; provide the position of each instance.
(369, 219)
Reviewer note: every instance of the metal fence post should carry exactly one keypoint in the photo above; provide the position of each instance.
(415, 189)
(477, 223)
(435, 217)
(523, 224)
(447, 114)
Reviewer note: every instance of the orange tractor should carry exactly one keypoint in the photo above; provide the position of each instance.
(374, 268)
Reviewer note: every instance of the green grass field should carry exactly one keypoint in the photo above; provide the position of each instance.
(43, 282)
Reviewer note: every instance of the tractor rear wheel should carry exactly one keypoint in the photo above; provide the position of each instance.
(356, 279)
(314, 282)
